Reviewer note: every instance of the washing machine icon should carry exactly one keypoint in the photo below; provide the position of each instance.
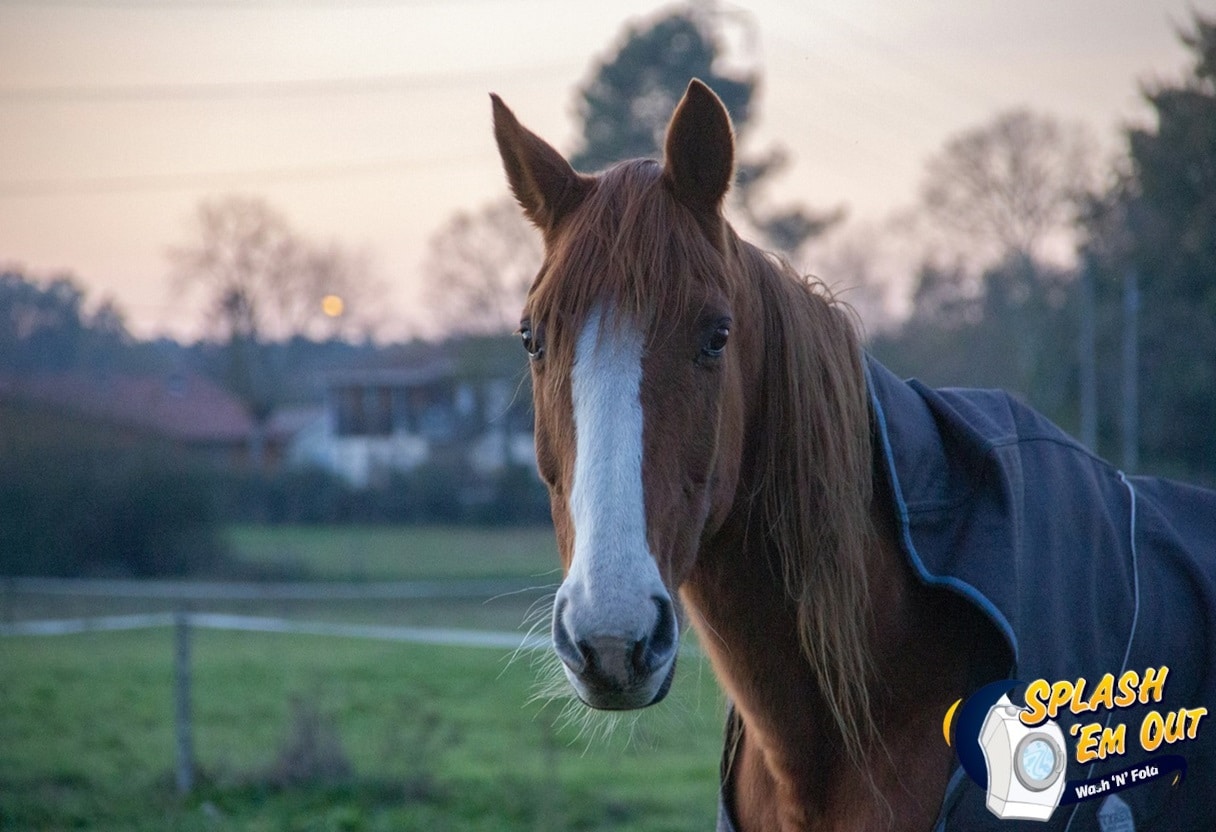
(1025, 765)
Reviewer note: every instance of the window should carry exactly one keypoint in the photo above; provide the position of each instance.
(363, 411)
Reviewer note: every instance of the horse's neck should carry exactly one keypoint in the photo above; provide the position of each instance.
(791, 772)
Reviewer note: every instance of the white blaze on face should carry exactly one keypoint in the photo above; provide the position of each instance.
(613, 578)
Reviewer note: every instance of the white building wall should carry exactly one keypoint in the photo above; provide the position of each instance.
(359, 458)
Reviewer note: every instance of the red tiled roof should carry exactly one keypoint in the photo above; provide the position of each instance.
(185, 408)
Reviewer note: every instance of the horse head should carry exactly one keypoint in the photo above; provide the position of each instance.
(639, 347)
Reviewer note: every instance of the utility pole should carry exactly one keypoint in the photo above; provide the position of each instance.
(1087, 351)
(1131, 361)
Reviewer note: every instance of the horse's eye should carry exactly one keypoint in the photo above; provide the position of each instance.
(530, 341)
(715, 344)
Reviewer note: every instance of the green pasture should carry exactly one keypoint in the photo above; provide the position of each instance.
(310, 733)
(359, 554)
(393, 553)
(299, 733)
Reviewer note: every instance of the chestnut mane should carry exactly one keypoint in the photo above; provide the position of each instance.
(634, 249)
(814, 481)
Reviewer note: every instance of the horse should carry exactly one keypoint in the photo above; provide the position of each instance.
(720, 451)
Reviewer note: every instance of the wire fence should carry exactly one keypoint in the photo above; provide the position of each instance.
(185, 622)
(438, 636)
(187, 590)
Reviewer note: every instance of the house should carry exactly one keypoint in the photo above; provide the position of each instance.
(378, 421)
(180, 409)
(368, 424)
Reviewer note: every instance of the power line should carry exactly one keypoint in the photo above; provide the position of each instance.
(894, 54)
(231, 5)
(188, 181)
(296, 88)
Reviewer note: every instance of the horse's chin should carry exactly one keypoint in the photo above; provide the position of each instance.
(635, 698)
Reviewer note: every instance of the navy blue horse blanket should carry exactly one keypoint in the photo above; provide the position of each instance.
(1083, 571)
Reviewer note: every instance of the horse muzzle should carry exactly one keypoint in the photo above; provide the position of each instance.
(616, 662)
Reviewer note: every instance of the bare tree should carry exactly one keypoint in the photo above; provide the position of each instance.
(263, 280)
(1011, 186)
(332, 294)
(241, 248)
(858, 261)
(478, 269)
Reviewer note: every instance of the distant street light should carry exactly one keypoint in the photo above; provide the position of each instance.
(332, 306)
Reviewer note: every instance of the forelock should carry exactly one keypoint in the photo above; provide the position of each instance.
(630, 249)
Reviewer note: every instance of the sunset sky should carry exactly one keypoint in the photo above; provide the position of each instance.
(367, 123)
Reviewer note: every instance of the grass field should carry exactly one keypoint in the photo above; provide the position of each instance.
(313, 733)
(360, 554)
(391, 553)
(435, 739)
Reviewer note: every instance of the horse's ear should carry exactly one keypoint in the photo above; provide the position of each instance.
(699, 157)
(543, 182)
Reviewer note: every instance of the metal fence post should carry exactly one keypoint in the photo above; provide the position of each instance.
(181, 687)
(8, 614)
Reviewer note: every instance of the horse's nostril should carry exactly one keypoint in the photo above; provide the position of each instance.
(651, 654)
(640, 659)
(654, 653)
(573, 654)
(665, 629)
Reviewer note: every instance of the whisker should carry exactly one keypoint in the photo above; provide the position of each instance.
(526, 644)
(711, 630)
(536, 617)
(523, 591)
(542, 605)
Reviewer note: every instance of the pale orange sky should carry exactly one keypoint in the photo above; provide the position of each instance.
(115, 117)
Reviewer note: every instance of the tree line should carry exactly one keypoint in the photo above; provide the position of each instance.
(1029, 265)
(1026, 264)
(83, 494)
(1120, 345)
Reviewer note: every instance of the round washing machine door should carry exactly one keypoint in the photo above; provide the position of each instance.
(1038, 761)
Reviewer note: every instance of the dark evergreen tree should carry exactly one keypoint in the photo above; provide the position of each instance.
(1016, 331)
(625, 106)
(45, 326)
(627, 103)
(1160, 221)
